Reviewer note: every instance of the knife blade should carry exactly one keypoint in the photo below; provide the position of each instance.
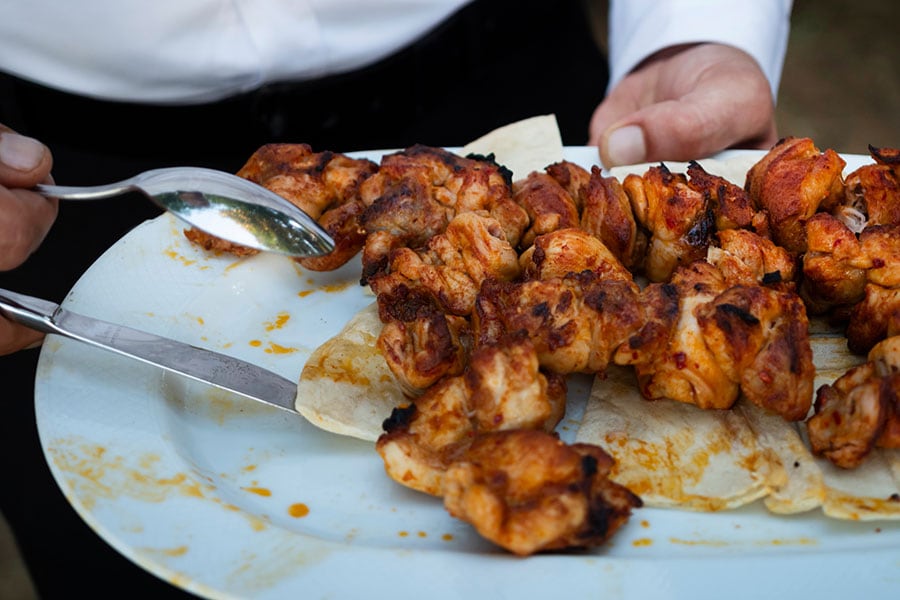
(219, 370)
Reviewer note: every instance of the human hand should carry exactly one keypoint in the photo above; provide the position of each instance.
(25, 216)
(685, 102)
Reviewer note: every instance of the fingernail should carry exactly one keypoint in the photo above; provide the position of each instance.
(20, 152)
(625, 146)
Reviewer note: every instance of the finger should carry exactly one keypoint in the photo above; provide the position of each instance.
(698, 124)
(25, 219)
(616, 106)
(24, 161)
(14, 337)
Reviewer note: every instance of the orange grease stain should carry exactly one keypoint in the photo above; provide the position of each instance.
(180, 258)
(802, 541)
(255, 343)
(338, 287)
(278, 323)
(259, 491)
(342, 364)
(192, 489)
(279, 349)
(712, 543)
(95, 475)
(298, 510)
(642, 542)
(447, 537)
(179, 551)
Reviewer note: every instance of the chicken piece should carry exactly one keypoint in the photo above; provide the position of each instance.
(872, 192)
(575, 179)
(730, 203)
(453, 264)
(678, 218)
(607, 215)
(854, 278)
(872, 317)
(889, 157)
(547, 203)
(880, 245)
(704, 341)
(573, 250)
(405, 215)
(342, 225)
(502, 388)
(849, 417)
(422, 440)
(669, 352)
(527, 492)
(834, 266)
(420, 342)
(512, 218)
(886, 357)
(760, 338)
(575, 322)
(507, 390)
(312, 181)
(217, 245)
(417, 192)
(860, 410)
(745, 257)
(838, 263)
(791, 183)
(464, 184)
(325, 185)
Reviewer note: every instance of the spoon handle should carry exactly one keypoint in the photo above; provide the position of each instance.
(92, 192)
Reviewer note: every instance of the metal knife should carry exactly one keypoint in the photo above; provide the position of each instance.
(219, 370)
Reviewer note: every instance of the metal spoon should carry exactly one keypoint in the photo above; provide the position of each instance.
(221, 204)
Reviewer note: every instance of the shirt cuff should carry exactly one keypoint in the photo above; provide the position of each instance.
(639, 28)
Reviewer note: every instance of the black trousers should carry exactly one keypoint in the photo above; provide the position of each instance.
(494, 62)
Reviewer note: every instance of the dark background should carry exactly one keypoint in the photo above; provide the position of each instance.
(841, 81)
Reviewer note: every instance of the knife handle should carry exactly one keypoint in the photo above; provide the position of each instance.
(28, 311)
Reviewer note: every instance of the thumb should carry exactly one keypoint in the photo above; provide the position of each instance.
(690, 127)
(24, 161)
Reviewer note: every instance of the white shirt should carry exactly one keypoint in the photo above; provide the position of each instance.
(638, 28)
(189, 51)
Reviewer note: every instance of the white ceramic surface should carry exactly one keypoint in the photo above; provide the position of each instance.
(230, 499)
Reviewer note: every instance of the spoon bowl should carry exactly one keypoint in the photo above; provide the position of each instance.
(223, 205)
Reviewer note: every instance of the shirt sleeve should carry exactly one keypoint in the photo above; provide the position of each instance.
(638, 28)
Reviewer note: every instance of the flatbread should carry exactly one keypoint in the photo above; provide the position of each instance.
(794, 478)
(522, 147)
(733, 168)
(869, 492)
(672, 454)
(346, 386)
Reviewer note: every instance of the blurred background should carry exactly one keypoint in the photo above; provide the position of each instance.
(841, 80)
(840, 87)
